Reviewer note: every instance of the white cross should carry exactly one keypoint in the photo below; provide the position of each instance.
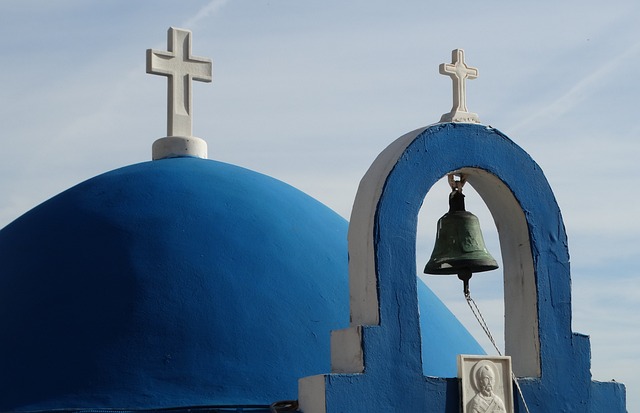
(459, 73)
(181, 68)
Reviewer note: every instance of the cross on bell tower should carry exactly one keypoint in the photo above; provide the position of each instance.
(180, 68)
(459, 73)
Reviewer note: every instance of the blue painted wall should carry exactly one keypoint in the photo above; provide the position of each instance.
(174, 283)
(393, 379)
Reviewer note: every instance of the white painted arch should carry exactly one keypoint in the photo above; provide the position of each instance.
(522, 341)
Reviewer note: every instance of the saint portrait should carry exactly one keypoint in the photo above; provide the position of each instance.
(485, 400)
(485, 384)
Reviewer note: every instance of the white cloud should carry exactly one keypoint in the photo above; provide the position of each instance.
(580, 90)
(205, 12)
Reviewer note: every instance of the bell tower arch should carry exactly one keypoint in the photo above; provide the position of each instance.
(377, 361)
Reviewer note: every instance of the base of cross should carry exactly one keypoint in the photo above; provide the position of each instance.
(178, 146)
(459, 116)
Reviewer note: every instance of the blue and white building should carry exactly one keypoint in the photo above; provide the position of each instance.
(187, 284)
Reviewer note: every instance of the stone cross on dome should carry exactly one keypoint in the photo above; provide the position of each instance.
(180, 67)
(459, 73)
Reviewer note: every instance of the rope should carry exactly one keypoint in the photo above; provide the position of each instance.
(476, 312)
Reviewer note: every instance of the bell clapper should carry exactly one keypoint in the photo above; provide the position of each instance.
(465, 276)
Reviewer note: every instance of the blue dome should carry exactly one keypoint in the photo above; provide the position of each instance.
(179, 282)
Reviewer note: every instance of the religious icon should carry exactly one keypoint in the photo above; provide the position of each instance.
(485, 400)
(485, 384)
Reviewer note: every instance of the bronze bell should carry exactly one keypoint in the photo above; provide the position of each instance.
(459, 247)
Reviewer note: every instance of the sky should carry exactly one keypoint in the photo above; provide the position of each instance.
(311, 92)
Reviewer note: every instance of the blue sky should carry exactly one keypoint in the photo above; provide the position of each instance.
(311, 92)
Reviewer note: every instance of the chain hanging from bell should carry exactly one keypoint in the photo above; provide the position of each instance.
(459, 247)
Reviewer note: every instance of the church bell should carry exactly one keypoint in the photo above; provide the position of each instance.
(459, 247)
